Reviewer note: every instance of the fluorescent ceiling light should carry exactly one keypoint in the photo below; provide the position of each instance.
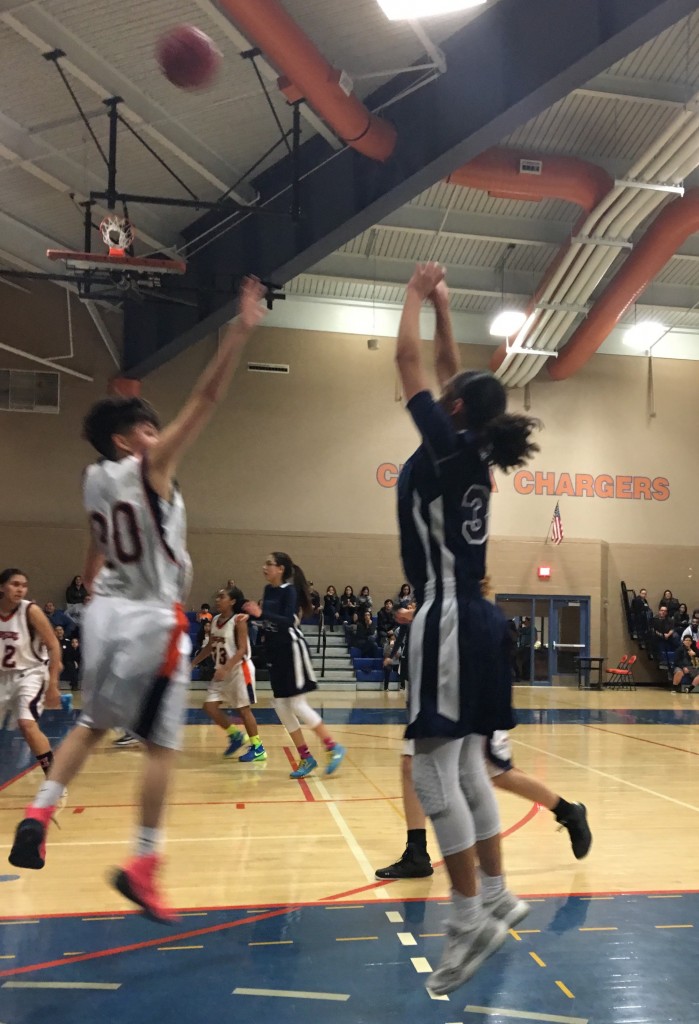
(507, 323)
(642, 335)
(406, 10)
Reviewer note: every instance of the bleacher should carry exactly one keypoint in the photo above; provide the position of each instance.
(656, 673)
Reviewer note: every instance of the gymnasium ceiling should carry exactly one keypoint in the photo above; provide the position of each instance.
(48, 162)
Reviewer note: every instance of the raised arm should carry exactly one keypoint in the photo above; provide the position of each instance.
(425, 279)
(209, 390)
(446, 354)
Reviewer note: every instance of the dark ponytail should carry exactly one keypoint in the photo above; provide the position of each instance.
(295, 574)
(506, 437)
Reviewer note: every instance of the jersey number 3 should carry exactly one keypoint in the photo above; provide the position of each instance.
(475, 506)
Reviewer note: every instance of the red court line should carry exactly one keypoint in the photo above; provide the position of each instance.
(305, 789)
(641, 739)
(20, 775)
(232, 803)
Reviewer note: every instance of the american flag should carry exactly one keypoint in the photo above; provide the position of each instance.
(556, 525)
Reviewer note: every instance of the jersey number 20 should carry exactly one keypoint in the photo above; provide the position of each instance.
(475, 506)
(125, 533)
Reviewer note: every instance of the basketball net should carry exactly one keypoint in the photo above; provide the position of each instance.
(118, 234)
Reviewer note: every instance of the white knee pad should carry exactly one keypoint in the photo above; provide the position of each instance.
(303, 710)
(285, 711)
(476, 787)
(429, 783)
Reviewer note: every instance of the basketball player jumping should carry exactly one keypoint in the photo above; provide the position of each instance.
(135, 655)
(30, 664)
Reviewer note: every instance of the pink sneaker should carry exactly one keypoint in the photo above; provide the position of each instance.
(136, 881)
(29, 847)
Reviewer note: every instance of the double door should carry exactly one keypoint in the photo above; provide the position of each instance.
(551, 633)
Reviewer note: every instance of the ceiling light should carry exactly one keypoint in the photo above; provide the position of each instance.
(405, 10)
(507, 323)
(643, 335)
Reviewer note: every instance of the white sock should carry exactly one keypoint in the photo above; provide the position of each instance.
(49, 794)
(147, 840)
(491, 886)
(466, 910)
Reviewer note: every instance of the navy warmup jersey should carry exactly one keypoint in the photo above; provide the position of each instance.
(443, 498)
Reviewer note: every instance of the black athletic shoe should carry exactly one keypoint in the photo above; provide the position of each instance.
(413, 864)
(29, 847)
(578, 830)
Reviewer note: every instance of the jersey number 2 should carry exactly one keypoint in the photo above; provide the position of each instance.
(475, 506)
(8, 658)
(125, 533)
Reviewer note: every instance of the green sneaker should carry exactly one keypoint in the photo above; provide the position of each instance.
(254, 754)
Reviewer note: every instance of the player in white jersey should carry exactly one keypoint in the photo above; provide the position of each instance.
(233, 684)
(30, 664)
(135, 653)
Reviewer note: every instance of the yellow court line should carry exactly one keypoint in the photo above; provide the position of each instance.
(278, 942)
(674, 926)
(18, 922)
(166, 949)
(338, 906)
(537, 960)
(75, 952)
(529, 931)
(598, 929)
(120, 918)
(432, 935)
(99, 986)
(359, 938)
(673, 896)
(288, 994)
(201, 913)
(565, 990)
(514, 935)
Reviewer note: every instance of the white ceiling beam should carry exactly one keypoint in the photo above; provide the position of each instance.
(242, 43)
(639, 90)
(45, 33)
(479, 226)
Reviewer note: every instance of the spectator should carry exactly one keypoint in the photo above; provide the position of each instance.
(365, 638)
(365, 601)
(348, 604)
(391, 658)
(669, 602)
(230, 584)
(692, 630)
(315, 598)
(72, 658)
(207, 666)
(681, 618)
(385, 621)
(664, 637)
(331, 608)
(76, 592)
(641, 614)
(404, 596)
(204, 613)
(351, 630)
(57, 617)
(685, 666)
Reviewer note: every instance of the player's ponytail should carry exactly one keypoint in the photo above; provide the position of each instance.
(505, 437)
(295, 574)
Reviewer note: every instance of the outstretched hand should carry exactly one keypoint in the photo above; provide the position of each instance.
(440, 294)
(426, 277)
(250, 310)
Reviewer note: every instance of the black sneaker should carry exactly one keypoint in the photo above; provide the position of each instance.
(413, 864)
(578, 830)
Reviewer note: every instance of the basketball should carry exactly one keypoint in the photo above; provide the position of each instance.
(188, 57)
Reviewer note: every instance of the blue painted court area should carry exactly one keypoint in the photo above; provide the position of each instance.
(598, 960)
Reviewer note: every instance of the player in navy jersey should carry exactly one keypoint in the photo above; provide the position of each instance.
(286, 597)
(460, 677)
(136, 669)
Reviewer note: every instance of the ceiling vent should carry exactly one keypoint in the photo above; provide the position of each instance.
(268, 368)
(29, 391)
(531, 166)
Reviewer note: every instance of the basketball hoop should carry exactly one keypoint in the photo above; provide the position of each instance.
(118, 233)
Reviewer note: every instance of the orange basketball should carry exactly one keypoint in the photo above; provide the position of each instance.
(188, 57)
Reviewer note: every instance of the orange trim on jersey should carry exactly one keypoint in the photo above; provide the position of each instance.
(247, 674)
(172, 653)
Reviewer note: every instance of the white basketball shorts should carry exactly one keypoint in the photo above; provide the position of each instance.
(22, 695)
(237, 690)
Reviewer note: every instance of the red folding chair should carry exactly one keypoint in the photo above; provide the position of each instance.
(614, 674)
(625, 680)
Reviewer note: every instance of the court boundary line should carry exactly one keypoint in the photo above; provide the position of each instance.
(643, 739)
(18, 776)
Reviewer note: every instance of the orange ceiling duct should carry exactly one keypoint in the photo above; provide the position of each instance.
(309, 75)
(499, 173)
(671, 228)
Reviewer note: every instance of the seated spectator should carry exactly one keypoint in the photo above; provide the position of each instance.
(57, 617)
(365, 637)
(669, 602)
(681, 618)
(331, 608)
(685, 666)
(351, 630)
(348, 604)
(641, 614)
(664, 636)
(365, 601)
(385, 621)
(72, 658)
(391, 658)
(76, 592)
(204, 613)
(230, 584)
(404, 596)
(315, 597)
(692, 630)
